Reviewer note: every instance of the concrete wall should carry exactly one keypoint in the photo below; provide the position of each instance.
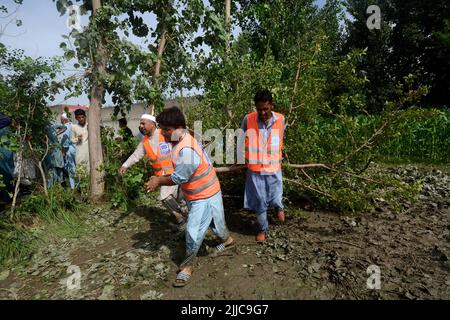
(133, 117)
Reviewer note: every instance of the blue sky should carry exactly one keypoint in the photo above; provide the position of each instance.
(41, 33)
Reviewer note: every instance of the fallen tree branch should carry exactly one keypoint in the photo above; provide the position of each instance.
(230, 169)
(303, 171)
(308, 165)
(309, 188)
(365, 144)
(295, 166)
(300, 166)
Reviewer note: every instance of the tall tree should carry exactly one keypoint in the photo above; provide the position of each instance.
(417, 48)
(407, 43)
(128, 72)
(94, 117)
(227, 26)
(26, 86)
(377, 43)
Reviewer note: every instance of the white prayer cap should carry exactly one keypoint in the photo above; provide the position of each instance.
(64, 115)
(147, 116)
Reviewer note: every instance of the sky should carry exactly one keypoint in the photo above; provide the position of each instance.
(41, 34)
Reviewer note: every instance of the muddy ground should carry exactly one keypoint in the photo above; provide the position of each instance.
(314, 255)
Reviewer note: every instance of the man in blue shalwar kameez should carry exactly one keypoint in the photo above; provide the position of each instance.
(263, 153)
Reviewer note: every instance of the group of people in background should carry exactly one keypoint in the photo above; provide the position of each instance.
(68, 151)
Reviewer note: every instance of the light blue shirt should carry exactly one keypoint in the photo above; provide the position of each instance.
(185, 166)
(66, 141)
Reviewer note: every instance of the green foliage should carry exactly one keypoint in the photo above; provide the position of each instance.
(232, 87)
(26, 85)
(347, 192)
(129, 74)
(82, 182)
(327, 83)
(423, 135)
(345, 94)
(293, 49)
(411, 41)
(20, 234)
(122, 191)
(60, 204)
(15, 242)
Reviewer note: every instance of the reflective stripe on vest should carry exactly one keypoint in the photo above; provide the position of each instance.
(203, 183)
(264, 156)
(260, 150)
(197, 190)
(161, 163)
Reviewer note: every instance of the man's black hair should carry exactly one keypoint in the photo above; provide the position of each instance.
(123, 121)
(80, 112)
(171, 117)
(263, 96)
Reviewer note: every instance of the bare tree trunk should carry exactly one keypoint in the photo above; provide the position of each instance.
(19, 175)
(39, 164)
(226, 107)
(20, 153)
(161, 48)
(44, 180)
(182, 101)
(157, 70)
(227, 27)
(97, 183)
(297, 77)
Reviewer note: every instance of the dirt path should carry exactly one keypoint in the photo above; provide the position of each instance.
(319, 255)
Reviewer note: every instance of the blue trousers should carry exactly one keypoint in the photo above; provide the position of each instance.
(203, 214)
(262, 192)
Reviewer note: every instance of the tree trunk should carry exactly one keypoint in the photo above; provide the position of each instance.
(94, 117)
(19, 176)
(226, 107)
(157, 70)
(40, 166)
(44, 179)
(227, 27)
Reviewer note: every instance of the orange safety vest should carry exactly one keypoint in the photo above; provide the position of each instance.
(161, 160)
(262, 156)
(203, 183)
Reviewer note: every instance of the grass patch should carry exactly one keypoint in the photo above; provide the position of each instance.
(39, 220)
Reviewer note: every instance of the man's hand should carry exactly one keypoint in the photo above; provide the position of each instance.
(60, 130)
(122, 170)
(152, 184)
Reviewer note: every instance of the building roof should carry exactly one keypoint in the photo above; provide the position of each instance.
(71, 107)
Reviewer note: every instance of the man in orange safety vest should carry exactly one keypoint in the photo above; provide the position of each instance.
(194, 172)
(159, 154)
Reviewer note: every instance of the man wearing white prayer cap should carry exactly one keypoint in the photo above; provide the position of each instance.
(147, 116)
(159, 152)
